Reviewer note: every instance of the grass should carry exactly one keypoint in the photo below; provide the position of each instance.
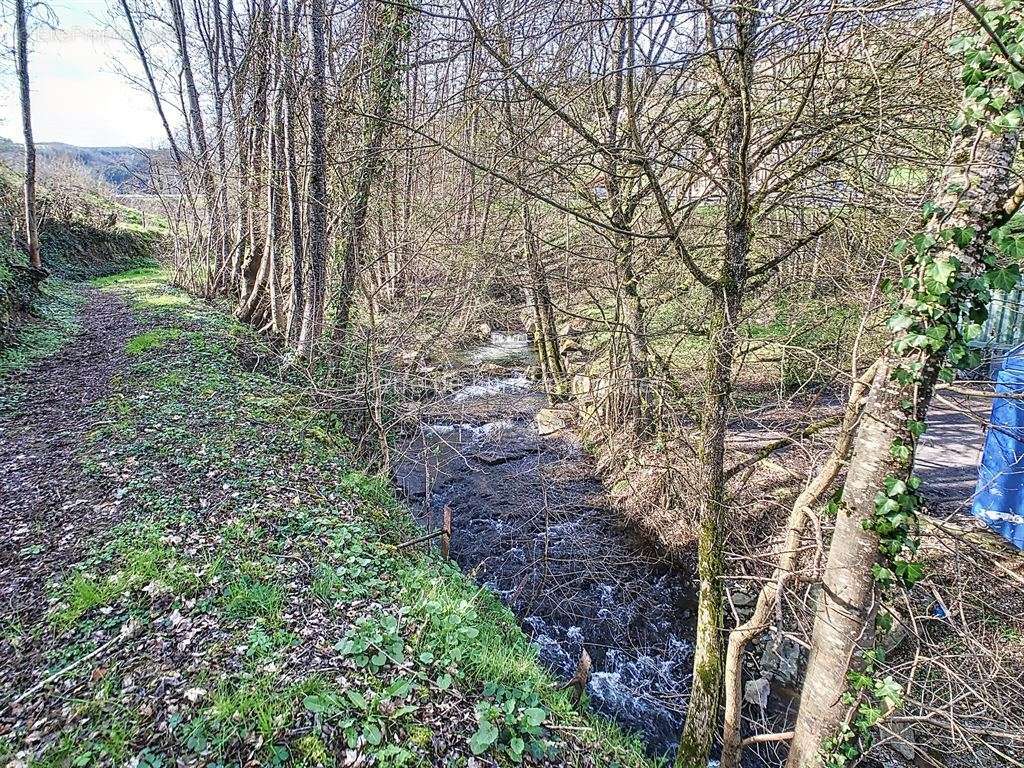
(146, 279)
(249, 599)
(144, 342)
(140, 559)
(83, 592)
(238, 708)
(249, 518)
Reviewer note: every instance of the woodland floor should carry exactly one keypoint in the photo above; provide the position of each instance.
(195, 571)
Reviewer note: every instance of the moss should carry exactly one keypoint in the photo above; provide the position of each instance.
(311, 750)
(420, 735)
(79, 250)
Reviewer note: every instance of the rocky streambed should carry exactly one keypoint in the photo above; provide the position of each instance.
(532, 522)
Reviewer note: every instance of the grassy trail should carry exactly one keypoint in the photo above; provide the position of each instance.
(201, 575)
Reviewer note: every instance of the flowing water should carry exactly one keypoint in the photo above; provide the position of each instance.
(531, 521)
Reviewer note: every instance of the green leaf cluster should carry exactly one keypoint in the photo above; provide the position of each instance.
(510, 722)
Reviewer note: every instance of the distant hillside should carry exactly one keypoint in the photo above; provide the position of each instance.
(126, 170)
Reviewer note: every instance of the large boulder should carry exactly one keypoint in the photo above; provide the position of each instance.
(552, 420)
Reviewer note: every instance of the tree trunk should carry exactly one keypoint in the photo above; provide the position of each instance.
(546, 334)
(316, 205)
(297, 300)
(255, 301)
(636, 401)
(770, 594)
(702, 709)
(385, 83)
(198, 133)
(31, 222)
(637, 405)
(974, 188)
(700, 728)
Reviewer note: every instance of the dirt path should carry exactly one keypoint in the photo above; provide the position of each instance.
(51, 506)
(950, 452)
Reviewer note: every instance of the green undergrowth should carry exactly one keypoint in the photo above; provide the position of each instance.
(249, 534)
(53, 324)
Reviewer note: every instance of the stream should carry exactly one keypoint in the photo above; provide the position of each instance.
(531, 521)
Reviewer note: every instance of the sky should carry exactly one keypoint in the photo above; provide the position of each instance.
(78, 95)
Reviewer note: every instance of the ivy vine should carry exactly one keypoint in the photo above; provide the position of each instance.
(942, 310)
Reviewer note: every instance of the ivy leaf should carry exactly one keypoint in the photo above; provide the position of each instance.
(883, 621)
(911, 573)
(900, 451)
(963, 236)
(900, 322)
(882, 574)
(869, 716)
(889, 691)
(892, 486)
(940, 271)
(923, 241)
(1004, 279)
(971, 331)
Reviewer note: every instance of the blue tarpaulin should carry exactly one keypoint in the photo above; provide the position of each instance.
(999, 498)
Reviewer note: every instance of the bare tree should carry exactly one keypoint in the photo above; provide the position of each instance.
(389, 30)
(316, 206)
(31, 221)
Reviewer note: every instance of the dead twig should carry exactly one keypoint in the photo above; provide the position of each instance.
(127, 630)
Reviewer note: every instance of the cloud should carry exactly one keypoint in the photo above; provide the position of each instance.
(78, 97)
